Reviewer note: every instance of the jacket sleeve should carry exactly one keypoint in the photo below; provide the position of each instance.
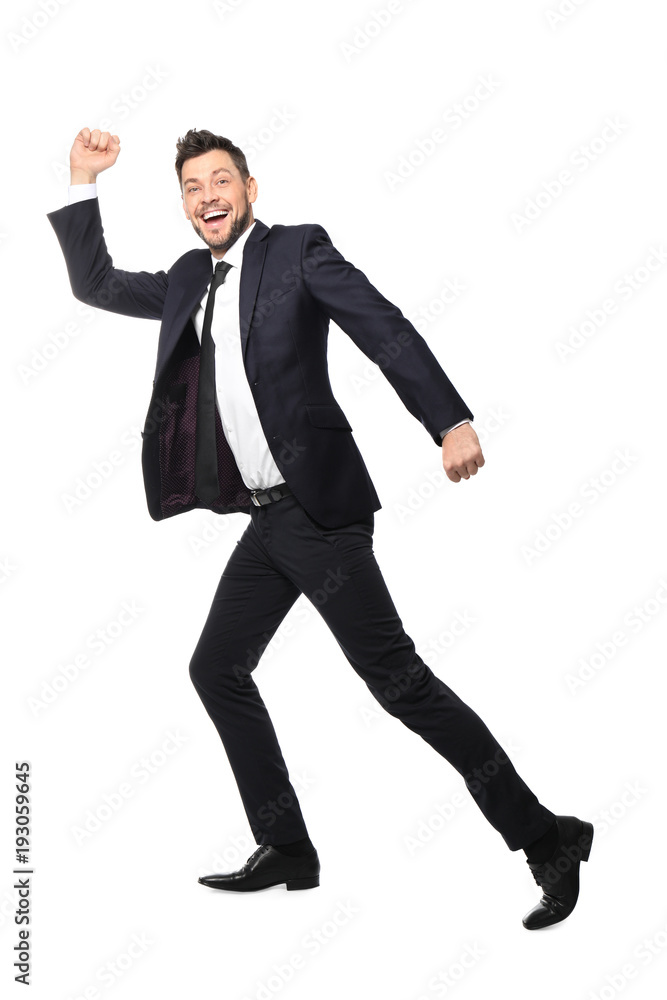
(382, 332)
(93, 278)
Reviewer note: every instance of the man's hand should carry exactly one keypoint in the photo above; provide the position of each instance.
(92, 153)
(461, 453)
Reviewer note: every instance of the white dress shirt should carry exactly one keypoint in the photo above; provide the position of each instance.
(235, 401)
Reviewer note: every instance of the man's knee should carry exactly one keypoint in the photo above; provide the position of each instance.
(403, 686)
(198, 669)
(206, 670)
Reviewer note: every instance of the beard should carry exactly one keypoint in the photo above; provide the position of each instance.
(215, 239)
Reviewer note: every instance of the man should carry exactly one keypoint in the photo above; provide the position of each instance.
(243, 418)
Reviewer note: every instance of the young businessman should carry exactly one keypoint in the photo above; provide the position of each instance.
(242, 418)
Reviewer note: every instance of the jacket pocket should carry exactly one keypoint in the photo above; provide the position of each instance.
(327, 415)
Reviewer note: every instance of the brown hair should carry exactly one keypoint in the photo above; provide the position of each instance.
(195, 142)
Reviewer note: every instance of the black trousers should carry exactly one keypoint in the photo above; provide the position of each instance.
(282, 553)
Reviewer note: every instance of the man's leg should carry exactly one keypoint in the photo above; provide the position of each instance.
(251, 600)
(337, 570)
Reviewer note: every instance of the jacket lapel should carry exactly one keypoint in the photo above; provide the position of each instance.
(254, 253)
(194, 276)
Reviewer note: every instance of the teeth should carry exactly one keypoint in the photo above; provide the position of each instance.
(210, 215)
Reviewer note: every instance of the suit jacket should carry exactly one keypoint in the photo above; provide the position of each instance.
(293, 281)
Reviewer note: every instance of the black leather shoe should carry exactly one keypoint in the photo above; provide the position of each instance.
(559, 876)
(266, 867)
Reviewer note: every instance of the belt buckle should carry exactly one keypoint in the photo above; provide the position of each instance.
(253, 497)
(270, 495)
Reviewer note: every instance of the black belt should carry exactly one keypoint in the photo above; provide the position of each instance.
(261, 497)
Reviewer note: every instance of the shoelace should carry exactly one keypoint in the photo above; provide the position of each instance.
(262, 849)
(548, 898)
(536, 875)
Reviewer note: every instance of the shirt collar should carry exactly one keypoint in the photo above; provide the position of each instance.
(234, 255)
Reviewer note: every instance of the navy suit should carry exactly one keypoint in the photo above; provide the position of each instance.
(316, 541)
(293, 281)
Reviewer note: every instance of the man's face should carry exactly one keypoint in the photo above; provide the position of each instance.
(212, 184)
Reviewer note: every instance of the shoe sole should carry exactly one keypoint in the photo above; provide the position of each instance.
(293, 883)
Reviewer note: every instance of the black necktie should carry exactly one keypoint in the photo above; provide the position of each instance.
(207, 486)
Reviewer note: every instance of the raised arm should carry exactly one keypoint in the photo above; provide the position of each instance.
(78, 227)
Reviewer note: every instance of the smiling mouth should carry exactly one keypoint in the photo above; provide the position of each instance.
(215, 218)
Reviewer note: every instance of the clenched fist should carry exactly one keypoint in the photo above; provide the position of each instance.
(461, 453)
(92, 153)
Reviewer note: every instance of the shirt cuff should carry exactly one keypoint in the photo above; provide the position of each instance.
(80, 192)
(447, 429)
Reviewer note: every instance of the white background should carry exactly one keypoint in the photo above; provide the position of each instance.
(355, 99)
